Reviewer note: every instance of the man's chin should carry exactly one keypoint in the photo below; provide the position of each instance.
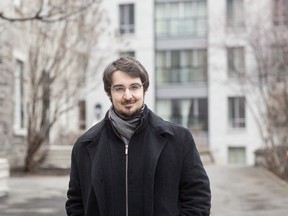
(128, 114)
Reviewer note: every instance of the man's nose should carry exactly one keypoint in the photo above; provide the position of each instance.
(127, 94)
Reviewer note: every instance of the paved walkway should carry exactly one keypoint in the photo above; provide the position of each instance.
(35, 196)
(236, 191)
(247, 191)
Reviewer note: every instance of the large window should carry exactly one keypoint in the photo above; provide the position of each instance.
(181, 18)
(235, 13)
(181, 66)
(191, 113)
(280, 12)
(236, 106)
(126, 12)
(236, 61)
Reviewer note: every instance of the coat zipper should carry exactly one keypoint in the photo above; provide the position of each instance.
(126, 168)
(126, 177)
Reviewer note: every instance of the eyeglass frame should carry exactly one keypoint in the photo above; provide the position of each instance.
(123, 88)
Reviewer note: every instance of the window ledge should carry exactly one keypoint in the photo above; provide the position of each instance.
(20, 132)
(236, 130)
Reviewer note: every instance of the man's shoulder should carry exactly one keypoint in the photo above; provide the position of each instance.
(164, 125)
(91, 134)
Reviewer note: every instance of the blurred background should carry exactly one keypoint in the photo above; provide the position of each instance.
(219, 68)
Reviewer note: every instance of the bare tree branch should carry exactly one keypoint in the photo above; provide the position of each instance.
(53, 15)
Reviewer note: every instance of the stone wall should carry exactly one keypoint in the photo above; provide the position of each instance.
(12, 147)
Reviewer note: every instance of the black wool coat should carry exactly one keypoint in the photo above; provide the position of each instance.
(165, 174)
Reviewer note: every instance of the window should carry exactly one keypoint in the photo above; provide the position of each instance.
(191, 113)
(236, 112)
(128, 53)
(181, 66)
(19, 106)
(183, 18)
(279, 56)
(236, 62)
(4, 76)
(126, 18)
(280, 12)
(235, 13)
(236, 155)
(82, 114)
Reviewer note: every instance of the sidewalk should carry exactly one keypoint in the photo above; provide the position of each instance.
(35, 196)
(247, 191)
(236, 191)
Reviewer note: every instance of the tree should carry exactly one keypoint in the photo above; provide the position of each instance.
(268, 83)
(59, 48)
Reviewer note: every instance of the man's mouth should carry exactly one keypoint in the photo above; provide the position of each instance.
(128, 103)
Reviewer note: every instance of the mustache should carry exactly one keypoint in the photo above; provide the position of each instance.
(125, 102)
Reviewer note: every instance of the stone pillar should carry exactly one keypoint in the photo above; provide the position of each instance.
(4, 175)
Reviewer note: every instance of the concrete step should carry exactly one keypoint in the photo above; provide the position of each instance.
(206, 155)
(58, 157)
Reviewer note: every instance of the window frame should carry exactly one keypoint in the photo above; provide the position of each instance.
(182, 71)
(127, 18)
(19, 124)
(182, 23)
(188, 112)
(279, 16)
(236, 119)
(237, 155)
(233, 54)
(232, 20)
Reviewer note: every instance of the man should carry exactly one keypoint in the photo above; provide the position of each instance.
(133, 162)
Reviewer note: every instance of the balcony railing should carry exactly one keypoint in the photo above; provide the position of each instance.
(194, 26)
(181, 75)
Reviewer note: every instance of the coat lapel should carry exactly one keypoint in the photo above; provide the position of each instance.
(100, 157)
(155, 144)
(154, 148)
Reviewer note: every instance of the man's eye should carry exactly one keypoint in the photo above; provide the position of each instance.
(134, 88)
(119, 89)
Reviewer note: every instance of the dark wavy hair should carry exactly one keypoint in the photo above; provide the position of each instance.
(129, 65)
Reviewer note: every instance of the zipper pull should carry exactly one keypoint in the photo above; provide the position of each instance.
(126, 149)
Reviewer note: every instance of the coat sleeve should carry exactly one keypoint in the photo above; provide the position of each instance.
(74, 203)
(195, 193)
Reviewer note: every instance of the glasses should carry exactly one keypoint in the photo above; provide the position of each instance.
(120, 90)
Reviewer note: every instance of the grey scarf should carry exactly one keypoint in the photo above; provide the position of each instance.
(125, 127)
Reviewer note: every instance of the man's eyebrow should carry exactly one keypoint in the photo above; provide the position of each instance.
(118, 85)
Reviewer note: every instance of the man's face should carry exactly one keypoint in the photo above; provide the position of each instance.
(127, 94)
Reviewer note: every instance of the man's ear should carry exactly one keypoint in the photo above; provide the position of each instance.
(109, 96)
